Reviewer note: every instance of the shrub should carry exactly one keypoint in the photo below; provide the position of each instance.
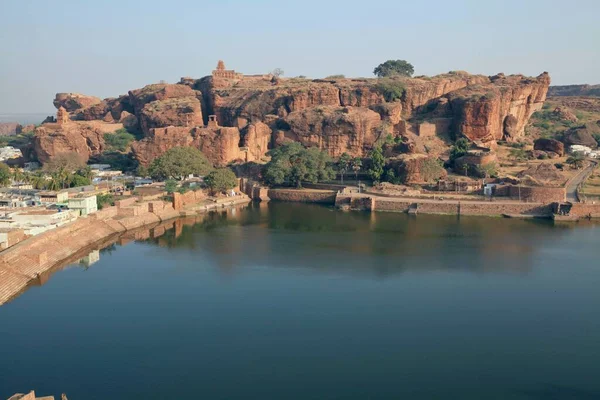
(105, 200)
(391, 90)
(119, 140)
(221, 179)
(338, 76)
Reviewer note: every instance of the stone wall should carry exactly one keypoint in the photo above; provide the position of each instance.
(180, 200)
(537, 194)
(494, 208)
(583, 210)
(303, 195)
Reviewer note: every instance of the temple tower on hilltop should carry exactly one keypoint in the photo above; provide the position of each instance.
(221, 72)
(62, 116)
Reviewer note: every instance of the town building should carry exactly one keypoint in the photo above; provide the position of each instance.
(36, 220)
(84, 204)
(53, 197)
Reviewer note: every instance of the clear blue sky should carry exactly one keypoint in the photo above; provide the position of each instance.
(107, 47)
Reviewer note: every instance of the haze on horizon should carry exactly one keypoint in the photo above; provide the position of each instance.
(107, 48)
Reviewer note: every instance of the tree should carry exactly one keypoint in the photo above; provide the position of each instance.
(460, 148)
(394, 68)
(105, 199)
(221, 179)
(178, 163)
(377, 163)
(343, 164)
(293, 163)
(277, 72)
(5, 175)
(119, 140)
(518, 154)
(170, 185)
(576, 160)
(356, 165)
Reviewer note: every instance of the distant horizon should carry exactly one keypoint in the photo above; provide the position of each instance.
(105, 49)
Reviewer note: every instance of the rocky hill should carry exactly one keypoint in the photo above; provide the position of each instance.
(235, 117)
(575, 90)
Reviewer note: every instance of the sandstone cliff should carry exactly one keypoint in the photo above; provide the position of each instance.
(255, 113)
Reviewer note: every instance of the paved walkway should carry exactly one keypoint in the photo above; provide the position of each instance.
(573, 184)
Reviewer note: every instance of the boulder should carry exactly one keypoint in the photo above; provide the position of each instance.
(417, 168)
(564, 114)
(9, 128)
(549, 145)
(582, 135)
(74, 101)
(138, 98)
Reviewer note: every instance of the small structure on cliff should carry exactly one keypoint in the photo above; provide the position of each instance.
(221, 72)
(212, 122)
(62, 116)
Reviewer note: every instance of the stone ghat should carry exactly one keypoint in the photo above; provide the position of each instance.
(28, 260)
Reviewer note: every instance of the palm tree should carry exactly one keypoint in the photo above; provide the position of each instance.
(356, 164)
(576, 160)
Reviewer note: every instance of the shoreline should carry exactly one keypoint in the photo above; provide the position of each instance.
(29, 261)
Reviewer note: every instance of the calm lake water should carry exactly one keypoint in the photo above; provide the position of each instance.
(292, 301)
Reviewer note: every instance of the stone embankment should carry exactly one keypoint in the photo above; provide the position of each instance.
(28, 260)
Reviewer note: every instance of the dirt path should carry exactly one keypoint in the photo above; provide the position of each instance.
(576, 180)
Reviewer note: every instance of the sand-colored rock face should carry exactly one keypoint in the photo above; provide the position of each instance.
(352, 130)
(220, 145)
(336, 115)
(83, 138)
(74, 101)
(182, 111)
(498, 110)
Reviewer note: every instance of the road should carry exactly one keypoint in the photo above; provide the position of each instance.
(574, 183)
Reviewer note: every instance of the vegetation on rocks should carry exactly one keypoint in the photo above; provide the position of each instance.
(180, 162)
(377, 164)
(293, 164)
(394, 68)
(119, 140)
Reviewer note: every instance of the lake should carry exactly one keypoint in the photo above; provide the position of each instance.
(295, 301)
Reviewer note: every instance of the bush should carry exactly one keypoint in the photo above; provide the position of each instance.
(339, 76)
(119, 140)
(292, 164)
(221, 179)
(104, 200)
(391, 90)
(377, 164)
(460, 148)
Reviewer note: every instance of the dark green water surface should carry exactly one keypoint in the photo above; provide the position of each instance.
(292, 301)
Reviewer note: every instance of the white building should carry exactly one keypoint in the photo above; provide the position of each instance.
(9, 152)
(84, 204)
(577, 148)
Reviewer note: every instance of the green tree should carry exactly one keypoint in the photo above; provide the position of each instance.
(104, 200)
(221, 179)
(178, 163)
(460, 148)
(343, 165)
(576, 160)
(292, 164)
(392, 90)
(377, 164)
(356, 165)
(518, 154)
(5, 175)
(170, 185)
(394, 68)
(77, 180)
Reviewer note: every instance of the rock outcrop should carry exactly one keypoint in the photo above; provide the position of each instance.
(336, 130)
(549, 145)
(9, 128)
(74, 101)
(221, 145)
(498, 110)
(84, 138)
(582, 135)
(255, 113)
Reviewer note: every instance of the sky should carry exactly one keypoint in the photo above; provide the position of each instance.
(105, 48)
